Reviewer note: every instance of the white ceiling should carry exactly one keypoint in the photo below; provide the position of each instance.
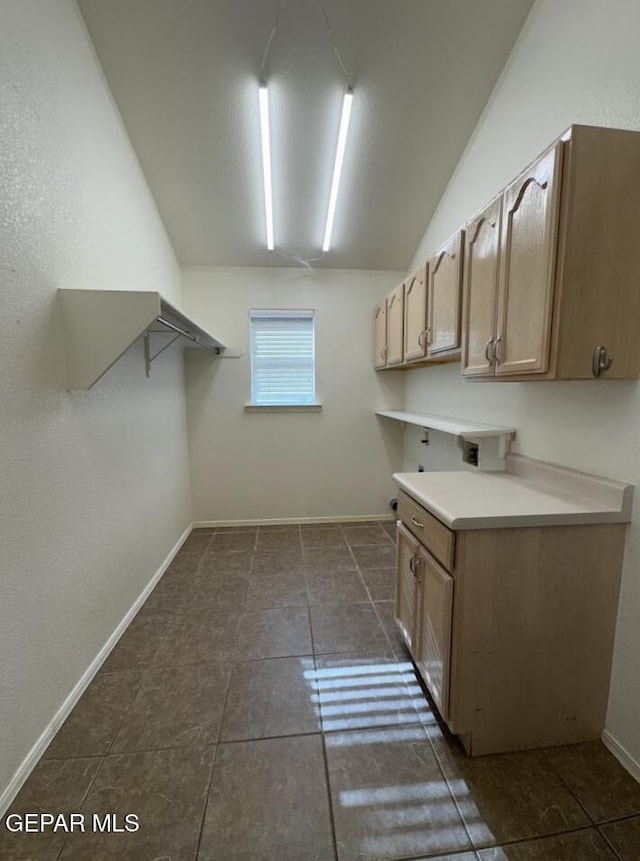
(184, 74)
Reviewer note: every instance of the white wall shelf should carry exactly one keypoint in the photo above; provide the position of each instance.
(484, 446)
(101, 324)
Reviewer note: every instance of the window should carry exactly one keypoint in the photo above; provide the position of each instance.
(282, 358)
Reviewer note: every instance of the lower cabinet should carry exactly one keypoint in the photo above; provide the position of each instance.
(424, 605)
(407, 596)
(511, 629)
(433, 656)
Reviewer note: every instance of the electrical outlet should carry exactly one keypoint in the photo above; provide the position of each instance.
(420, 468)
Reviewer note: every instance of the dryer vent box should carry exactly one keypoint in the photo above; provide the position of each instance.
(483, 454)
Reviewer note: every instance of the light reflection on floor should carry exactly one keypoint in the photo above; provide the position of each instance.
(360, 693)
(367, 703)
(388, 794)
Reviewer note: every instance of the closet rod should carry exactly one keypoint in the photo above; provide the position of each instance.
(177, 329)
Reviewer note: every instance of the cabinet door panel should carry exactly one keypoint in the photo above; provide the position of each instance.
(445, 281)
(527, 267)
(380, 334)
(415, 315)
(480, 291)
(435, 613)
(407, 587)
(395, 325)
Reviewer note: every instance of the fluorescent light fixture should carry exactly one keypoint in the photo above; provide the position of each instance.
(266, 163)
(337, 167)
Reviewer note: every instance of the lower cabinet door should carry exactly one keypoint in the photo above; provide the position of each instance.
(407, 596)
(434, 615)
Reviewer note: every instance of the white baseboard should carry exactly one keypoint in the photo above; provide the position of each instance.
(284, 521)
(621, 754)
(32, 758)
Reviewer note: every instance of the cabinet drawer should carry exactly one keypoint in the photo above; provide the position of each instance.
(435, 536)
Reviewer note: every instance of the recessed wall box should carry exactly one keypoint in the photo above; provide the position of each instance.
(470, 452)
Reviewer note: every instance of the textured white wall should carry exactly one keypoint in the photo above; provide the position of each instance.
(574, 62)
(94, 485)
(262, 466)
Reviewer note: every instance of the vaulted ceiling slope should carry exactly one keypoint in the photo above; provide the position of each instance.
(184, 75)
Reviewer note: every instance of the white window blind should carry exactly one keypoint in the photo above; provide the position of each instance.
(282, 358)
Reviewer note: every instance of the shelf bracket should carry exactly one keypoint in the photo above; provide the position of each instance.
(148, 358)
(504, 444)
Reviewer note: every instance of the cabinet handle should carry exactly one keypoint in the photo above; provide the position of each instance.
(602, 361)
(416, 573)
(421, 339)
(383, 353)
(428, 334)
(496, 356)
(417, 523)
(487, 350)
(412, 560)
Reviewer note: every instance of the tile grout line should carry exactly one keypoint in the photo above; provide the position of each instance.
(207, 793)
(610, 844)
(362, 580)
(322, 742)
(185, 747)
(617, 819)
(324, 748)
(63, 845)
(537, 837)
(437, 854)
(332, 820)
(561, 778)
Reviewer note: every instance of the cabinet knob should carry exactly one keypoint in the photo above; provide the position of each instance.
(602, 361)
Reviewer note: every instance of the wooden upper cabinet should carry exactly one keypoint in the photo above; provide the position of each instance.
(551, 274)
(445, 282)
(530, 207)
(395, 325)
(380, 334)
(480, 290)
(415, 315)
(598, 266)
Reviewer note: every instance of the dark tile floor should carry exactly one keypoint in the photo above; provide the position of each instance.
(261, 707)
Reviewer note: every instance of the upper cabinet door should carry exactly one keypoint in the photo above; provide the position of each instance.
(380, 334)
(415, 315)
(480, 291)
(395, 325)
(445, 282)
(527, 268)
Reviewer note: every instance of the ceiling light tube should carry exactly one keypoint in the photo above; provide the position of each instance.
(266, 162)
(337, 167)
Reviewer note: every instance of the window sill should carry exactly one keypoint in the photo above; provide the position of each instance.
(282, 408)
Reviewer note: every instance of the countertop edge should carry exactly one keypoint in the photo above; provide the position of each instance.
(515, 521)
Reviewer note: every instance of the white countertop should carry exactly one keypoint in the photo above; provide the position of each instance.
(523, 496)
